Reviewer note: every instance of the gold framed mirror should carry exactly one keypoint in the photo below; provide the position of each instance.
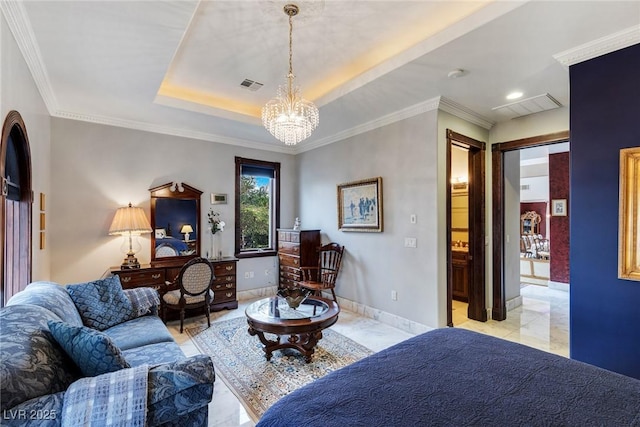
(629, 215)
(175, 220)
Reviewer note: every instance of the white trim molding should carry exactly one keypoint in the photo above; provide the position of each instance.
(601, 46)
(464, 113)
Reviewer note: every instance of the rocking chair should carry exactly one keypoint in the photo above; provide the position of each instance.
(323, 277)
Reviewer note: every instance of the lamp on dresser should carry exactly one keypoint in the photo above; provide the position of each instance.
(130, 222)
(186, 229)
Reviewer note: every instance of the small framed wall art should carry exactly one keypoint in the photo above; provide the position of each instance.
(218, 199)
(559, 207)
(360, 205)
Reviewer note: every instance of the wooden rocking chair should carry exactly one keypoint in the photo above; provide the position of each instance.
(323, 277)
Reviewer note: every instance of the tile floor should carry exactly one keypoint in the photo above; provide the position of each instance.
(541, 322)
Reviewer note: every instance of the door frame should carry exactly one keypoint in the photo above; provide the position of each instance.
(21, 258)
(499, 311)
(477, 284)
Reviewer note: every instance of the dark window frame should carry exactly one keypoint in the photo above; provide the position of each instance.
(240, 161)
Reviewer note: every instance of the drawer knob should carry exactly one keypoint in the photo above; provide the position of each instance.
(229, 285)
(155, 276)
(126, 279)
(229, 267)
(295, 262)
(229, 294)
(229, 278)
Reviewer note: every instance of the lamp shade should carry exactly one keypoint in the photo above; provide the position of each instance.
(130, 220)
(186, 229)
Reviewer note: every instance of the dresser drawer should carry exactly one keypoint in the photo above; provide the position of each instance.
(222, 286)
(224, 296)
(135, 279)
(289, 248)
(289, 260)
(290, 274)
(224, 269)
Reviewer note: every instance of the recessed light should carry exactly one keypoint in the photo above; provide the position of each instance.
(514, 95)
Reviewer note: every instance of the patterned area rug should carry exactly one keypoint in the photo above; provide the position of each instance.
(240, 362)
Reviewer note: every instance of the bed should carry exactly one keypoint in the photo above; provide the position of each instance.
(170, 246)
(455, 377)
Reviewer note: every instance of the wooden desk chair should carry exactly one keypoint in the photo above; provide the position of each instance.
(191, 289)
(323, 277)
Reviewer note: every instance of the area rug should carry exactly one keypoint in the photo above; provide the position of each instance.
(240, 362)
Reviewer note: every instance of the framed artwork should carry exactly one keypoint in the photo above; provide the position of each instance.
(360, 205)
(218, 199)
(629, 215)
(559, 207)
(42, 202)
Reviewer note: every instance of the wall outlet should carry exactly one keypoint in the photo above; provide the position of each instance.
(246, 274)
(410, 242)
(251, 275)
(394, 295)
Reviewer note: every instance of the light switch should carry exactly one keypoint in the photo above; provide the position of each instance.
(413, 218)
(410, 242)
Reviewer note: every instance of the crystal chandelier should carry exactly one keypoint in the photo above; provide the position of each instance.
(288, 116)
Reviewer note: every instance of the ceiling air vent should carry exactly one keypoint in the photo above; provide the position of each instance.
(251, 85)
(525, 187)
(528, 106)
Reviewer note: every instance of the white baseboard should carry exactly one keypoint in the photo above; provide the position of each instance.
(559, 286)
(514, 302)
(361, 309)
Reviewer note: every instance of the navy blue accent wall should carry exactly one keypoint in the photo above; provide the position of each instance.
(605, 117)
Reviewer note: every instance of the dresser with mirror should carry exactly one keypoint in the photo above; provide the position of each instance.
(177, 232)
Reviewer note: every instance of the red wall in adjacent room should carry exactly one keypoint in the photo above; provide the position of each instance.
(559, 225)
(541, 209)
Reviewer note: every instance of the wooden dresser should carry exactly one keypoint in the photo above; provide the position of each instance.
(224, 287)
(296, 248)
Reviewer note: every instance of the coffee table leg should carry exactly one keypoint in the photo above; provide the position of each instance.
(268, 344)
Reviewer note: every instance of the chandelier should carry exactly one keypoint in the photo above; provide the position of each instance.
(288, 116)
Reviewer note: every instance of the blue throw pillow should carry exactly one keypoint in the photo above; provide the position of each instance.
(93, 352)
(101, 303)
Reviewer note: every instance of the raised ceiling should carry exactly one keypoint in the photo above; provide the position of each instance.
(176, 67)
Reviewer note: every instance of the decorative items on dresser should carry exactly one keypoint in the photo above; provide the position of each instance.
(224, 285)
(296, 248)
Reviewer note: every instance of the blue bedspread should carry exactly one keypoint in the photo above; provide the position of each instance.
(454, 377)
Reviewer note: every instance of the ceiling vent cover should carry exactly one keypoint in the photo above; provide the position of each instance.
(251, 85)
(528, 106)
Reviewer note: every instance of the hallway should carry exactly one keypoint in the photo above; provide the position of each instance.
(542, 321)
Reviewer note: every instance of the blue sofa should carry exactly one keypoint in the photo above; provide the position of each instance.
(37, 373)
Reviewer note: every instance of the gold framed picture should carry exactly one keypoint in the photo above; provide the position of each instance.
(360, 205)
(629, 215)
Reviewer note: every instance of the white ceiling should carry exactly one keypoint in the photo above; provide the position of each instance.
(175, 67)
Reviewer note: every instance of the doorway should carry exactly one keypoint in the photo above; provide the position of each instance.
(499, 151)
(15, 209)
(466, 259)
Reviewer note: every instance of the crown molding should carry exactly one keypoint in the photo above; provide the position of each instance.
(598, 47)
(166, 130)
(16, 16)
(465, 113)
(414, 110)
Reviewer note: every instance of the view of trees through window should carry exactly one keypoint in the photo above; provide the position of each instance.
(255, 213)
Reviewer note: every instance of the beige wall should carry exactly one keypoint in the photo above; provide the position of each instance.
(18, 92)
(98, 168)
(404, 154)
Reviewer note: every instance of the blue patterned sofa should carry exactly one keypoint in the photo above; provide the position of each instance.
(38, 373)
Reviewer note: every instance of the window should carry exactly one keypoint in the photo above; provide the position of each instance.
(257, 207)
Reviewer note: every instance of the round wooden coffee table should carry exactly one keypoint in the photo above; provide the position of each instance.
(299, 328)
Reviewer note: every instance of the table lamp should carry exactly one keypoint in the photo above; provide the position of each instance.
(130, 222)
(186, 229)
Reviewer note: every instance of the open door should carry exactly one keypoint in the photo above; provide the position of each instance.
(475, 257)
